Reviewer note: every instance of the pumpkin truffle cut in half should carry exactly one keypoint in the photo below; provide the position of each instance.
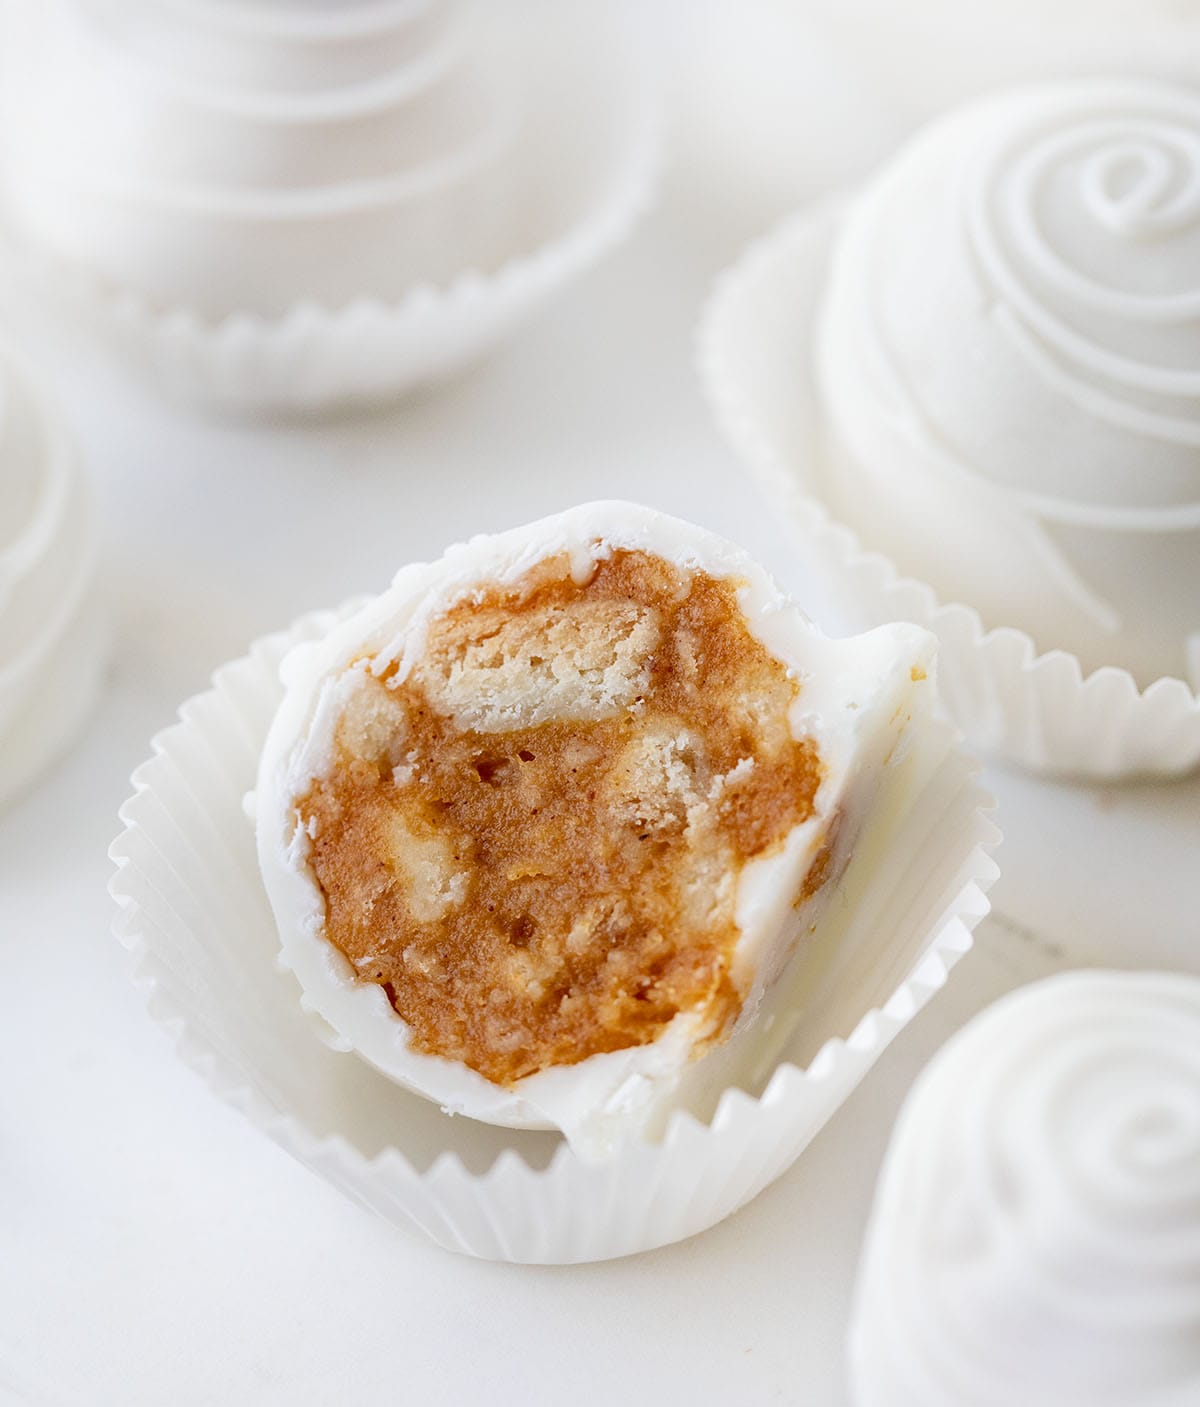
(543, 823)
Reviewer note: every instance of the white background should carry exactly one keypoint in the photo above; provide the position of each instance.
(154, 1248)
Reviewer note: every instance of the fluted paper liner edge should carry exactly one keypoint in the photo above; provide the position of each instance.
(202, 941)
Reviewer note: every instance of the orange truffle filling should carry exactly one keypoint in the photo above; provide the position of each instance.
(532, 842)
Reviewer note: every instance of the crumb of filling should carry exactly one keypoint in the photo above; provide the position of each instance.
(533, 842)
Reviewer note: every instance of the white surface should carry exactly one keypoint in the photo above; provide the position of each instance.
(153, 1247)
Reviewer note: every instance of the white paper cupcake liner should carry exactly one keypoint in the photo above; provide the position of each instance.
(1038, 711)
(204, 951)
(584, 165)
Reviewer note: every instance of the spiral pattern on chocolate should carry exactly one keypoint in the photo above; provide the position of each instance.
(1085, 225)
(1008, 358)
(1036, 1235)
(244, 155)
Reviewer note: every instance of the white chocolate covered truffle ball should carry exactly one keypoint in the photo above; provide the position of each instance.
(249, 155)
(1036, 1231)
(1009, 360)
(544, 823)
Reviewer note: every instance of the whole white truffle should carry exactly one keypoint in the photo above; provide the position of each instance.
(1036, 1231)
(245, 156)
(1009, 359)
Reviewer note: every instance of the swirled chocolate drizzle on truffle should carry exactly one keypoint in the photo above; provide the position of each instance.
(1009, 356)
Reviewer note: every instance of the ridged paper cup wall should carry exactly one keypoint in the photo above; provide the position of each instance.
(203, 945)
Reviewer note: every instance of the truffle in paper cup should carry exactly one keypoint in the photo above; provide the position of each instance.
(1108, 566)
(262, 283)
(544, 823)
(1036, 1231)
(204, 947)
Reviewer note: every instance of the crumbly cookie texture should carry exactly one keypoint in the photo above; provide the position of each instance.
(531, 838)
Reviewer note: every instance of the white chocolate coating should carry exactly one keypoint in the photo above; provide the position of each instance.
(859, 698)
(1036, 1231)
(1009, 357)
(47, 539)
(243, 155)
